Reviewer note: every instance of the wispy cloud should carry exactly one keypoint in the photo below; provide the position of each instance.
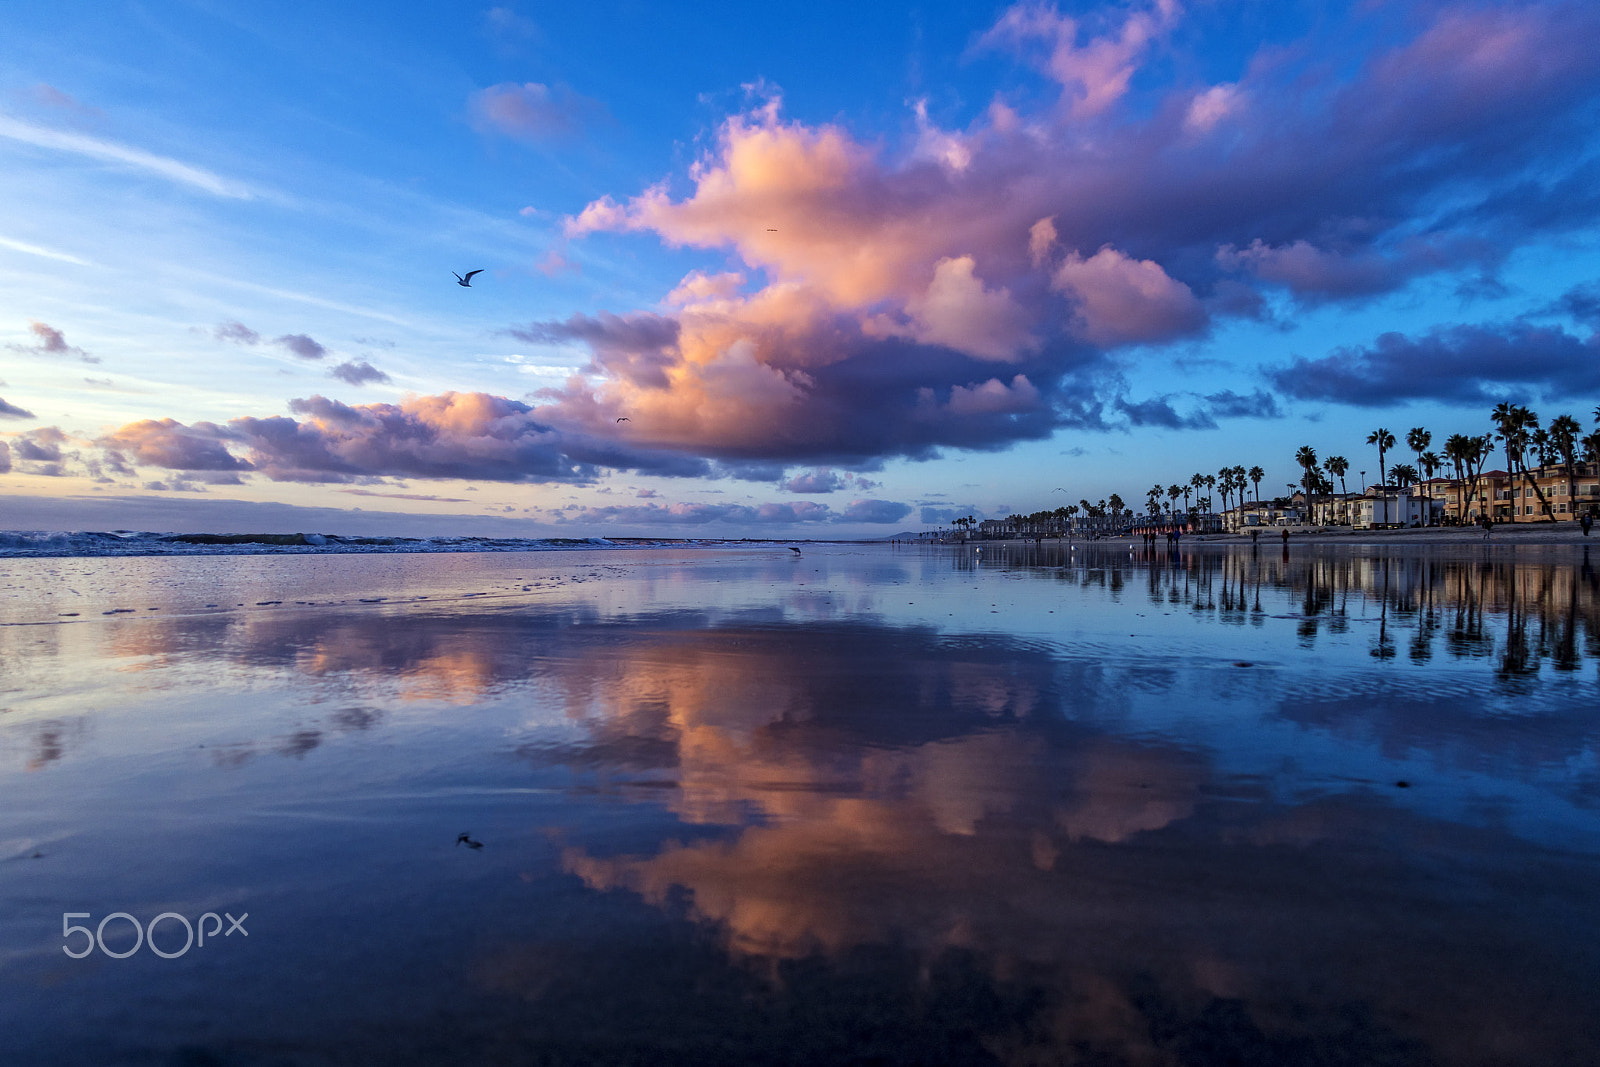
(123, 155)
(39, 250)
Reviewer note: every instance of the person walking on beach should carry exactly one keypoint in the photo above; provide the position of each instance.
(1488, 526)
(1286, 537)
(1587, 522)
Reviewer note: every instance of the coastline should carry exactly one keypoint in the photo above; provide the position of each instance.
(1563, 533)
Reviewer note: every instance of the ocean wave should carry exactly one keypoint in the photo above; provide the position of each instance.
(131, 543)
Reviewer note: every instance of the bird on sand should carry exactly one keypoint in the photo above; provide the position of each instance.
(465, 838)
(467, 281)
(795, 550)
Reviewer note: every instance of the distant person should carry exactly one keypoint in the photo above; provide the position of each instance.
(1488, 526)
(1255, 537)
(1286, 537)
(1587, 522)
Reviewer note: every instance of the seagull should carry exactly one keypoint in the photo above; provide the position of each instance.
(465, 837)
(795, 550)
(771, 230)
(467, 281)
(624, 419)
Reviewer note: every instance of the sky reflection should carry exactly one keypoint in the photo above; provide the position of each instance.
(1065, 805)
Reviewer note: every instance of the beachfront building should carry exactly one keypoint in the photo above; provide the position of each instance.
(1253, 516)
(1507, 498)
(1385, 507)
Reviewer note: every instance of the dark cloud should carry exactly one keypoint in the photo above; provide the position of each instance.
(358, 373)
(237, 332)
(1158, 411)
(11, 411)
(51, 342)
(1582, 302)
(1231, 405)
(301, 345)
(1455, 364)
(637, 347)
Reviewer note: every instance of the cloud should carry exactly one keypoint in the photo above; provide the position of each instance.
(356, 373)
(40, 251)
(453, 435)
(1159, 411)
(5, 458)
(123, 155)
(637, 347)
(1479, 364)
(405, 496)
(1231, 405)
(531, 112)
(1095, 74)
(170, 444)
(301, 345)
(973, 288)
(697, 514)
(1121, 300)
(817, 481)
(52, 342)
(237, 332)
(11, 411)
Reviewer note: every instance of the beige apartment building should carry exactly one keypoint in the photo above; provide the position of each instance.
(1506, 499)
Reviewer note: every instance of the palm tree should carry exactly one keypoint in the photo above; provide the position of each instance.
(1153, 498)
(1403, 474)
(1418, 440)
(1256, 474)
(1307, 458)
(1564, 431)
(1385, 441)
(1173, 493)
(1337, 466)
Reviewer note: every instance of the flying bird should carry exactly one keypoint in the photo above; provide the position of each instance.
(465, 837)
(771, 230)
(624, 419)
(467, 281)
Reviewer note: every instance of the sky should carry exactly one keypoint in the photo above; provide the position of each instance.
(787, 270)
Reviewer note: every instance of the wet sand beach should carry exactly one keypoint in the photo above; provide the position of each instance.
(919, 804)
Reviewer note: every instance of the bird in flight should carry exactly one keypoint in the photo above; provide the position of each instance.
(624, 419)
(465, 838)
(771, 230)
(467, 281)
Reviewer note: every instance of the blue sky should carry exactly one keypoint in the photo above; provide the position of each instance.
(843, 269)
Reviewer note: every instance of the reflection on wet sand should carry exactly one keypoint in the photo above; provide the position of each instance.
(877, 835)
(1130, 886)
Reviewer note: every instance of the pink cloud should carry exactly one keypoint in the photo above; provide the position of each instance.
(1121, 300)
(1094, 75)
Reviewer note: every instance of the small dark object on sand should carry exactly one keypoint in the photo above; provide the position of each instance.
(1244, 663)
(465, 838)
(1402, 784)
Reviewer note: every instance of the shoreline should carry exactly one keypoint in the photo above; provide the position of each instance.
(1566, 533)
